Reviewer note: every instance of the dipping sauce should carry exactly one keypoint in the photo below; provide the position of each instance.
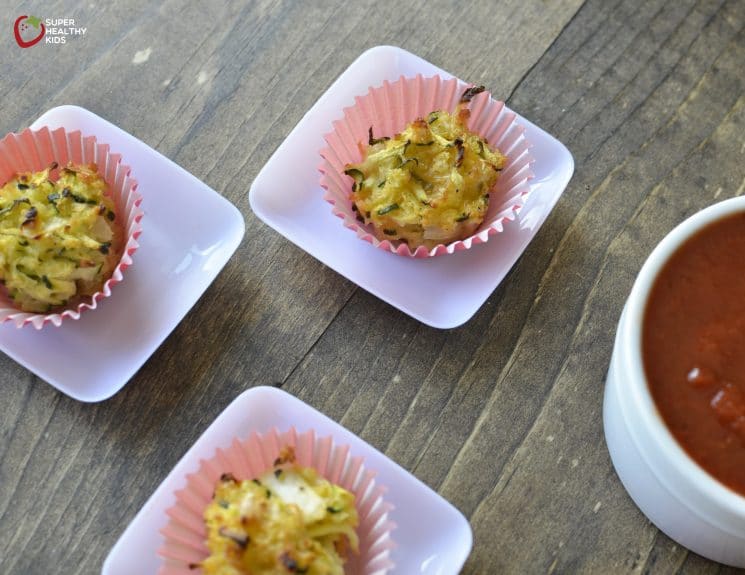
(693, 348)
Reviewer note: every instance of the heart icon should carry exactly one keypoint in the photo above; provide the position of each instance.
(21, 25)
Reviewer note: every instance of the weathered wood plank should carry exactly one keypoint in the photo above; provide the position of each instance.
(216, 87)
(565, 446)
(644, 101)
(502, 415)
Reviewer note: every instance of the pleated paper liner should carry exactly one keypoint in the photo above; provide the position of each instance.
(185, 534)
(34, 151)
(388, 109)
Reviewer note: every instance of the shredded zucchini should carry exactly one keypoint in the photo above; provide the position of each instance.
(434, 191)
(59, 238)
(289, 520)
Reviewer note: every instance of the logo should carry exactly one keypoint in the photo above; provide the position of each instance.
(30, 30)
(25, 36)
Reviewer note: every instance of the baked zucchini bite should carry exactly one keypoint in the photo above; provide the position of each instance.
(428, 185)
(59, 240)
(289, 520)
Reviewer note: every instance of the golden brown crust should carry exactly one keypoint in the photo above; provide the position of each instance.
(428, 185)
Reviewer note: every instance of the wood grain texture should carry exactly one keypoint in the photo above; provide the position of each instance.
(501, 416)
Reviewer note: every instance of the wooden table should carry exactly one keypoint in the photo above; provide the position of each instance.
(501, 416)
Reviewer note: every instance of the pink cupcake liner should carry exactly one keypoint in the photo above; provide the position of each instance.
(388, 109)
(34, 151)
(185, 533)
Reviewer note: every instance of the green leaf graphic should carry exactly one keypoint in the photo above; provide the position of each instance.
(34, 21)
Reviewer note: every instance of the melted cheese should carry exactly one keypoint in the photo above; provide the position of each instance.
(294, 489)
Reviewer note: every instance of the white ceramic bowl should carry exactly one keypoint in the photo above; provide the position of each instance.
(677, 495)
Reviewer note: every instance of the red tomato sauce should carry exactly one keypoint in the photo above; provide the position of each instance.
(693, 348)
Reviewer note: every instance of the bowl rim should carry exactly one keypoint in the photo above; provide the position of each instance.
(631, 337)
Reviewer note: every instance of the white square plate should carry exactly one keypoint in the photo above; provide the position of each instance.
(432, 536)
(188, 234)
(443, 291)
